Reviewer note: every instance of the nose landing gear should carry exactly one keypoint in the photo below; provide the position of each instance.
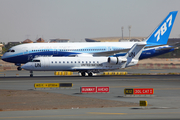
(31, 73)
(19, 68)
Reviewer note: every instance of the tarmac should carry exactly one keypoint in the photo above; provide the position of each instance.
(164, 104)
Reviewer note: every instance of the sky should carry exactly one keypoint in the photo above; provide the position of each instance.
(80, 19)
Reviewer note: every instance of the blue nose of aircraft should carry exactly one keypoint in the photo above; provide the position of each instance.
(4, 57)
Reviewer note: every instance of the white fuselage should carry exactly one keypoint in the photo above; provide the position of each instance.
(26, 52)
(93, 64)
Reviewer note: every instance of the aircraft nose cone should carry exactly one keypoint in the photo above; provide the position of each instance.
(27, 66)
(3, 58)
(24, 67)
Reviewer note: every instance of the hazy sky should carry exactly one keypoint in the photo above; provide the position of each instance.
(80, 19)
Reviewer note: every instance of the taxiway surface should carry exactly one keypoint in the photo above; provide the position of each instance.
(164, 104)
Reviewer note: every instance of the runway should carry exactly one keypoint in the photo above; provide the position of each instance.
(164, 104)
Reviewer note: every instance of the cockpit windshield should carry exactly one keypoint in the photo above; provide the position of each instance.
(35, 61)
(10, 50)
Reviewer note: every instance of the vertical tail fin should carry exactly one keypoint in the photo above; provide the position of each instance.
(133, 54)
(161, 34)
(135, 51)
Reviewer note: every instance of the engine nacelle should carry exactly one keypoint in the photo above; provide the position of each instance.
(113, 60)
(116, 60)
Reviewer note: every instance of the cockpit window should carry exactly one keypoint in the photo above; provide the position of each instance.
(10, 50)
(35, 61)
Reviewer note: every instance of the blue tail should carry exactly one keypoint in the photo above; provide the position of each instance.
(161, 34)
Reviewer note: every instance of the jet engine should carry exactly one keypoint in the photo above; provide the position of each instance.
(116, 60)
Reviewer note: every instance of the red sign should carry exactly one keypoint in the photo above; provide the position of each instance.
(88, 89)
(102, 89)
(143, 91)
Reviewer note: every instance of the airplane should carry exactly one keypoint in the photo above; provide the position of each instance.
(156, 45)
(83, 65)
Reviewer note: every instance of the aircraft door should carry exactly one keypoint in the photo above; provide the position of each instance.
(109, 48)
(45, 62)
(55, 52)
(25, 50)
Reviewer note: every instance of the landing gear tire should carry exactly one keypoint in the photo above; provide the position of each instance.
(83, 74)
(90, 74)
(19, 68)
(31, 73)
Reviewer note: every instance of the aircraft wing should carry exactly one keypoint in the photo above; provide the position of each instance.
(106, 53)
(170, 46)
(109, 53)
(113, 52)
(157, 47)
(174, 45)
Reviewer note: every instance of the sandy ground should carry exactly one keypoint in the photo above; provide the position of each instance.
(13, 100)
(160, 61)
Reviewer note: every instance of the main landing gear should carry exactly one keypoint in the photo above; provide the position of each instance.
(90, 74)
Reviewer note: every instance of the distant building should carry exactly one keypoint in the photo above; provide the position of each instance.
(59, 40)
(1, 45)
(91, 40)
(27, 41)
(40, 40)
(115, 39)
(173, 40)
(12, 43)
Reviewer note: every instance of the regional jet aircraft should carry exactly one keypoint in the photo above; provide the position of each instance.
(156, 45)
(89, 65)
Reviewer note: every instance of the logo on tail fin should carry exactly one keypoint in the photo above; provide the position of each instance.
(132, 54)
(161, 34)
(163, 28)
